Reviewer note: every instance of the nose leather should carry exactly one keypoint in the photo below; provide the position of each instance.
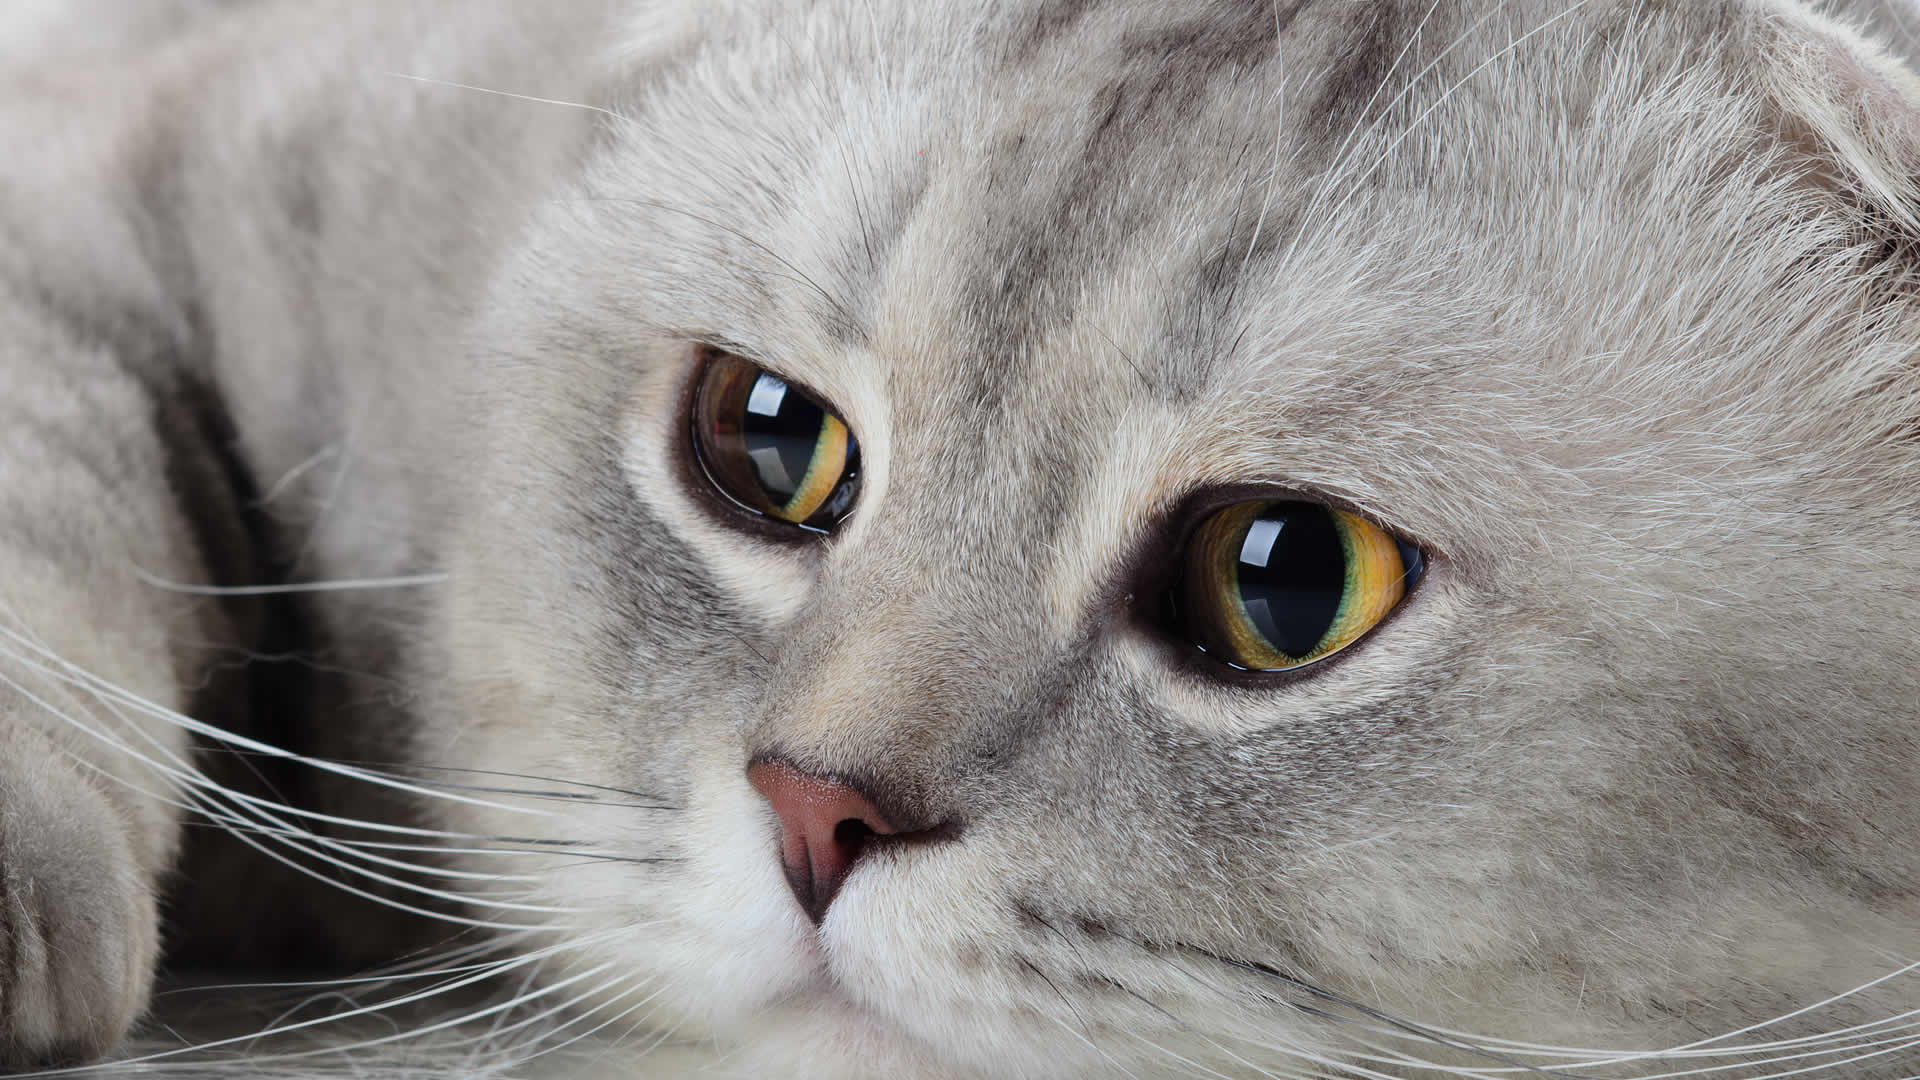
(825, 826)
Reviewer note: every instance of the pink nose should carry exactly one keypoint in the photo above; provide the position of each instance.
(824, 827)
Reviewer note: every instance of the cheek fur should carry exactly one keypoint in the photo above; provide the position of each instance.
(772, 580)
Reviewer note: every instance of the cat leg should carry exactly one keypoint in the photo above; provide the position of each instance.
(88, 817)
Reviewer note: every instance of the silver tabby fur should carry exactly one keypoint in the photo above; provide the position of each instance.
(1610, 305)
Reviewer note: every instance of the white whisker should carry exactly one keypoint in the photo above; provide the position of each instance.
(88, 680)
(475, 979)
(408, 581)
(424, 80)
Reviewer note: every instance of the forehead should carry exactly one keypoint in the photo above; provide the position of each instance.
(1251, 241)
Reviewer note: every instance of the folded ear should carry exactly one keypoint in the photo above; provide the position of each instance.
(1852, 107)
(1849, 99)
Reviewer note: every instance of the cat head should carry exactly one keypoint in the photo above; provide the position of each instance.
(1589, 324)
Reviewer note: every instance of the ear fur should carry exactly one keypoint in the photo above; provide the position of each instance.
(1855, 107)
(1855, 104)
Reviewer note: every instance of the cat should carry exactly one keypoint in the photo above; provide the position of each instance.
(1045, 538)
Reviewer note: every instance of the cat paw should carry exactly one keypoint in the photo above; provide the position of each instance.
(78, 921)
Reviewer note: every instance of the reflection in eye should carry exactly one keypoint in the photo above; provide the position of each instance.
(772, 448)
(1270, 586)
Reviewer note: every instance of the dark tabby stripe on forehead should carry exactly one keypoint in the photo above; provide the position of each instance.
(1076, 205)
(1046, 25)
(1244, 27)
(1072, 200)
(1373, 42)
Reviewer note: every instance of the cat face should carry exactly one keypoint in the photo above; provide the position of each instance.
(1567, 304)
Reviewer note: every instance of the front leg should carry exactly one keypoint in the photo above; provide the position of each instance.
(89, 816)
(78, 921)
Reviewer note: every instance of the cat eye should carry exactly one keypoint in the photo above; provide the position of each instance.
(771, 447)
(1272, 586)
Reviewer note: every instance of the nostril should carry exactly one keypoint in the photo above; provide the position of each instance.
(852, 836)
(825, 827)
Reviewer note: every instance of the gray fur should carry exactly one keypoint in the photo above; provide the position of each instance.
(1609, 305)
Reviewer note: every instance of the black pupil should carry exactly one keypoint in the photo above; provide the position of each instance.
(781, 433)
(1292, 572)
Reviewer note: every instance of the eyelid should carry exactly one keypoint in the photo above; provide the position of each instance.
(1171, 529)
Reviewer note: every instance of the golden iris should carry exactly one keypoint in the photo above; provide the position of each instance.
(772, 447)
(1269, 586)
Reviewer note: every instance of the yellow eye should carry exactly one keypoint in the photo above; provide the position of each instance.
(772, 447)
(1269, 586)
